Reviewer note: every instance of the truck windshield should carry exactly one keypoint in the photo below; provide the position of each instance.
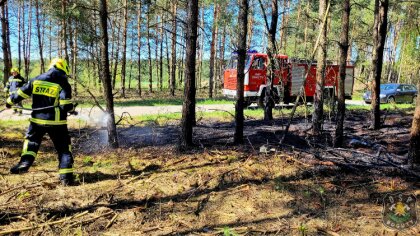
(233, 63)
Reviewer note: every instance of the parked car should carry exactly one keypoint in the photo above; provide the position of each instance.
(394, 93)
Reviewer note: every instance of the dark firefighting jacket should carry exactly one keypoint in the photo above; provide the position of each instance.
(14, 83)
(51, 97)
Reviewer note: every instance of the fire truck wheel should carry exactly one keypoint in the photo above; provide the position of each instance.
(247, 103)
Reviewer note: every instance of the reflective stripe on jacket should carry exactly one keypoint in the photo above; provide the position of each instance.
(51, 91)
(14, 83)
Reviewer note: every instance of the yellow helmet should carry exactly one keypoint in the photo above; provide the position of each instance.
(60, 64)
(14, 69)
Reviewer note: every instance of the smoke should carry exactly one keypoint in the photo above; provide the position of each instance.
(99, 121)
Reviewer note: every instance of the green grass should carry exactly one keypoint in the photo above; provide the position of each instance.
(170, 101)
(221, 116)
(158, 102)
(383, 107)
(357, 96)
(160, 119)
(13, 124)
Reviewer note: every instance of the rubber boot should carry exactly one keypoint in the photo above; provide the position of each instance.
(23, 165)
(67, 179)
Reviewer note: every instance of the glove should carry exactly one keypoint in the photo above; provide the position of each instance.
(74, 112)
(5, 90)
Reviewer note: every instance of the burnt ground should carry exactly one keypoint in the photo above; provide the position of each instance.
(147, 187)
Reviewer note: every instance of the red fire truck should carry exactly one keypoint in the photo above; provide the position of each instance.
(289, 76)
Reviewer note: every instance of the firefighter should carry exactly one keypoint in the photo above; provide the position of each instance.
(51, 101)
(13, 84)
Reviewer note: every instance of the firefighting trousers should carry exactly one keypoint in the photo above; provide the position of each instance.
(59, 135)
(18, 109)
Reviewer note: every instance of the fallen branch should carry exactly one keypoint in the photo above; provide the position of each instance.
(43, 225)
(122, 117)
(381, 159)
(24, 186)
(327, 232)
(222, 111)
(151, 229)
(252, 146)
(91, 219)
(112, 221)
(290, 158)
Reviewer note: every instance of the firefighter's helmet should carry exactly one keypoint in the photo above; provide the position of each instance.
(14, 69)
(60, 64)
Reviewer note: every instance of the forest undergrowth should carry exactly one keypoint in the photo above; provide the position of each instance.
(301, 187)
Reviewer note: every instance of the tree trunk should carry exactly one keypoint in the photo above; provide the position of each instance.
(149, 50)
(197, 58)
(106, 76)
(181, 66)
(250, 30)
(130, 77)
(161, 52)
(200, 60)
(173, 48)
(20, 10)
(27, 45)
(50, 31)
(305, 37)
(238, 137)
(282, 28)
(4, 30)
(222, 56)
(73, 53)
(213, 47)
(9, 50)
(40, 46)
(271, 51)
(124, 52)
(402, 57)
(344, 46)
(318, 114)
(188, 108)
(379, 35)
(64, 29)
(286, 6)
(414, 150)
(156, 39)
(139, 22)
(74, 64)
(116, 41)
(168, 61)
(112, 26)
(298, 21)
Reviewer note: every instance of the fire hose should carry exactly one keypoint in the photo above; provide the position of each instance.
(38, 109)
